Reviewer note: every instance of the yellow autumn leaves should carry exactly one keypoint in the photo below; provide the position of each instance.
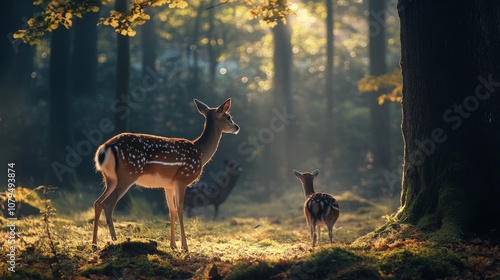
(392, 80)
(55, 14)
(123, 23)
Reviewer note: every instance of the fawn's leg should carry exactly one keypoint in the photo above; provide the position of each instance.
(110, 187)
(180, 191)
(172, 211)
(110, 202)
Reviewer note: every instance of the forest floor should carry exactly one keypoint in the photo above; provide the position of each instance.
(250, 241)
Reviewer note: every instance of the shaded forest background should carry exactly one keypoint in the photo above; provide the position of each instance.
(294, 88)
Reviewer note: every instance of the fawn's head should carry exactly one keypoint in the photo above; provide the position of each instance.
(220, 116)
(307, 179)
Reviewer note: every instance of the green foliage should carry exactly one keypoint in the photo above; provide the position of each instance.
(392, 80)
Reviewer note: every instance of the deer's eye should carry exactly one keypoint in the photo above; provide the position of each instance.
(228, 118)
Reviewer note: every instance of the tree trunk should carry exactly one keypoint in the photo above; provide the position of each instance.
(122, 112)
(451, 121)
(149, 42)
(122, 76)
(212, 52)
(59, 138)
(330, 137)
(84, 59)
(282, 81)
(193, 85)
(379, 113)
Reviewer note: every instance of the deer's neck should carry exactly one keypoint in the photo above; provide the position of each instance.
(209, 140)
(307, 185)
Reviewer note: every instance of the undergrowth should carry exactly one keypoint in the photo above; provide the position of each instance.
(274, 245)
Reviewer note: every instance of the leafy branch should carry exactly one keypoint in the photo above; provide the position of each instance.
(56, 13)
(123, 22)
(392, 80)
(270, 11)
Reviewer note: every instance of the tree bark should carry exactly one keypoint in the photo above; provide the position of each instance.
(149, 42)
(59, 137)
(122, 112)
(330, 137)
(282, 82)
(84, 58)
(212, 52)
(379, 113)
(122, 76)
(451, 121)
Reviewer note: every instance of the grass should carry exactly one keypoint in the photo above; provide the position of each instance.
(257, 241)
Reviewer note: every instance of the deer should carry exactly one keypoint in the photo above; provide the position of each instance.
(158, 162)
(319, 208)
(203, 193)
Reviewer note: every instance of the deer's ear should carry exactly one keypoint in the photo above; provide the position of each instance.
(297, 174)
(315, 173)
(224, 107)
(202, 107)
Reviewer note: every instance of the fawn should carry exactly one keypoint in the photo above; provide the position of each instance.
(319, 208)
(204, 193)
(158, 162)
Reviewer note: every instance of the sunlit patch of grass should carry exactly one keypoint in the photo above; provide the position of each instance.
(273, 244)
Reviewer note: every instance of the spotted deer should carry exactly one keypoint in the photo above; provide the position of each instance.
(320, 208)
(158, 162)
(204, 193)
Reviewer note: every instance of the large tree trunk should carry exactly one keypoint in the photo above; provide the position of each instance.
(451, 122)
(149, 42)
(282, 81)
(379, 113)
(59, 137)
(16, 66)
(84, 58)
(122, 112)
(330, 138)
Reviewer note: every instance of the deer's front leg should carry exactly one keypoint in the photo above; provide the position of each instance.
(179, 201)
(169, 194)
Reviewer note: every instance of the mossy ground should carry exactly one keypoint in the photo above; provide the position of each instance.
(250, 241)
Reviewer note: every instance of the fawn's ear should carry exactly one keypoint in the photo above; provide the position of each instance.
(224, 107)
(202, 107)
(297, 174)
(315, 173)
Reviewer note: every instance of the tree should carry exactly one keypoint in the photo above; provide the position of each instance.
(329, 89)
(84, 57)
(149, 42)
(379, 113)
(59, 135)
(122, 75)
(451, 121)
(282, 82)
